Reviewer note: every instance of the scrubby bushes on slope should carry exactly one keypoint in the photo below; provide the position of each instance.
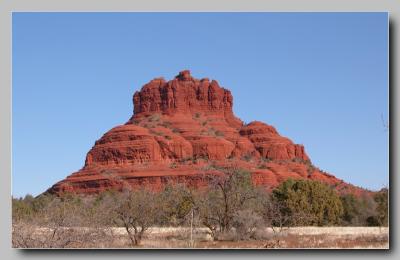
(231, 208)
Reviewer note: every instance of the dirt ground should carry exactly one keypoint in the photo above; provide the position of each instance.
(293, 238)
(182, 237)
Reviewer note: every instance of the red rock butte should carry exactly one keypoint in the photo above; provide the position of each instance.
(182, 131)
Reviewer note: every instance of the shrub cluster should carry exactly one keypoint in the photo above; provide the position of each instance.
(231, 208)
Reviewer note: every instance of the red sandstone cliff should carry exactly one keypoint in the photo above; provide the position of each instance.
(182, 130)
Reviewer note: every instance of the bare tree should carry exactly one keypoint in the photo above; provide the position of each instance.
(69, 221)
(228, 193)
(246, 222)
(52, 227)
(177, 204)
(136, 212)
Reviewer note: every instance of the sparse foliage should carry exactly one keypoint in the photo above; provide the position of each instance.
(246, 222)
(228, 194)
(382, 209)
(136, 211)
(177, 202)
(231, 208)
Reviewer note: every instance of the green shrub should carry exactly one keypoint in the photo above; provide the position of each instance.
(173, 165)
(247, 157)
(351, 209)
(219, 133)
(381, 199)
(308, 202)
(154, 118)
(262, 166)
(372, 221)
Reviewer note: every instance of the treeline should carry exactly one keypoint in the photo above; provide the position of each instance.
(231, 206)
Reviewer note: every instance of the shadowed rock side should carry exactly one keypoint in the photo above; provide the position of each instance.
(184, 131)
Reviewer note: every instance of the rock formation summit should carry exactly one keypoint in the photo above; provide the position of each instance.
(182, 130)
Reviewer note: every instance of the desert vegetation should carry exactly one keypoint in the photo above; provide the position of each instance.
(230, 212)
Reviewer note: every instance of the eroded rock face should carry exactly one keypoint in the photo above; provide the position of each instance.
(183, 130)
(185, 95)
(270, 144)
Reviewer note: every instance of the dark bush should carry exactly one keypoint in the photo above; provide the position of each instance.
(308, 202)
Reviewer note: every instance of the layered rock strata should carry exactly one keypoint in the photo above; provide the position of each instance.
(182, 131)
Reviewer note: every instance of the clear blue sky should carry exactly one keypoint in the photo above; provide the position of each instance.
(320, 78)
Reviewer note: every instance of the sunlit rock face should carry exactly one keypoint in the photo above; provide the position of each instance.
(182, 131)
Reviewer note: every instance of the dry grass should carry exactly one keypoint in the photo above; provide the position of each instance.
(299, 237)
